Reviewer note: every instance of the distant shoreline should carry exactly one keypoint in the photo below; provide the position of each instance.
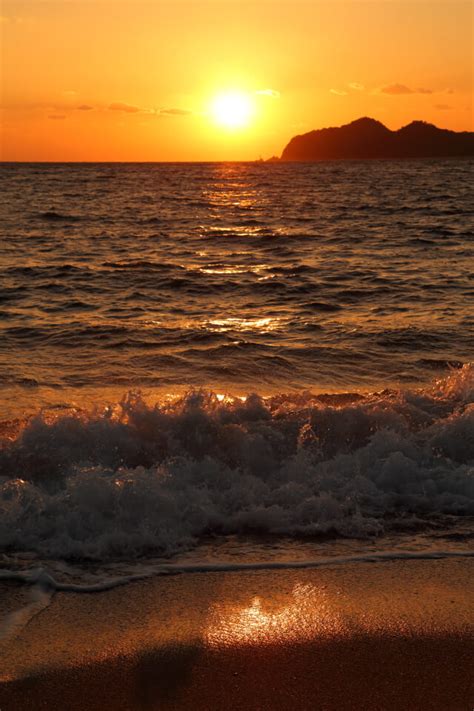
(362, 139)
(367, 138)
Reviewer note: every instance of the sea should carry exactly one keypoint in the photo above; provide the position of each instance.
(225, 365)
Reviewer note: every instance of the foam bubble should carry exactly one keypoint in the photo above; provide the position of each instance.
(135, 479)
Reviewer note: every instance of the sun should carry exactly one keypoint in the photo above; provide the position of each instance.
(232, 109)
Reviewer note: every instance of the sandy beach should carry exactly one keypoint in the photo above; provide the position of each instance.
(395, 635)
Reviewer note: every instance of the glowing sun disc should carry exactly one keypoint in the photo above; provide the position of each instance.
(232, 109)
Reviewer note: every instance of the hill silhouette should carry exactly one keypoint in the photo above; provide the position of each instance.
(368, 138)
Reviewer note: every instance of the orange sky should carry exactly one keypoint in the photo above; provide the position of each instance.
(134, 80)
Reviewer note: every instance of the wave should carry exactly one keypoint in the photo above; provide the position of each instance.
(135, 479)
(54, 216)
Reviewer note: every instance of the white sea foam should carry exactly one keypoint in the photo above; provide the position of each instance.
(138, 479)
(40, 597)
(44, 583)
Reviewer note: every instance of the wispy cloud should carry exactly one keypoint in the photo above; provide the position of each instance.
(356, 86)
(338, 92)
(63, 109)
(127, 108)
(173, 112)
(443, 107)
(268, 92)
(165, 111)
(402, 89)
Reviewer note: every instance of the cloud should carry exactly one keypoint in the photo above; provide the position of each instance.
(401, 89)
(119, 106)
(338, 92)
(69, 92)
(396, 89)
(443, 107)
(57, 117)
(129, 109)
(85, 107)
(174, 112)
(356, 86)
(268, 92)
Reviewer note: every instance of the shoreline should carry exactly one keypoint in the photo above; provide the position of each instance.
(373, 636)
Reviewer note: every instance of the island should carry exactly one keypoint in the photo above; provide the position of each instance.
(368, 138)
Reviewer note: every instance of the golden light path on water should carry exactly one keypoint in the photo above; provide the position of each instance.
(264, 325)
(237, 279)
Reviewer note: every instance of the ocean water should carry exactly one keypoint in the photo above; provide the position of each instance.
(228, 362)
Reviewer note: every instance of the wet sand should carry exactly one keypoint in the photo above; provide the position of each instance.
(382, 636)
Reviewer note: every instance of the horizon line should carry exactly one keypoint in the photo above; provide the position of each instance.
(264, 161)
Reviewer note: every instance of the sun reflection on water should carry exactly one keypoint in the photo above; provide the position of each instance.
(264, 325)
(233, 268)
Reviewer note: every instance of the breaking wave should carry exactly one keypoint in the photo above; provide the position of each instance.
(135, 479)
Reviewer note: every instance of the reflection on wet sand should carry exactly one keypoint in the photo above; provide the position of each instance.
(307, 615)
(362, 636)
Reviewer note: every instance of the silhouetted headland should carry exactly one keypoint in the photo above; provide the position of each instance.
(368, 138)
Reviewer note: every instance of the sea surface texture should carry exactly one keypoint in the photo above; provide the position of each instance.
(195, 350)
